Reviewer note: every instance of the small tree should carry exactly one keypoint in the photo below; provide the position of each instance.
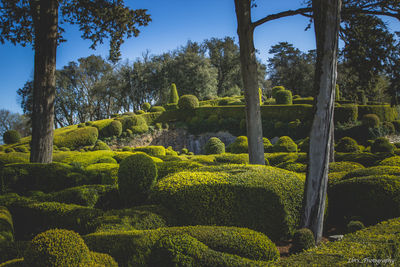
(173, 96)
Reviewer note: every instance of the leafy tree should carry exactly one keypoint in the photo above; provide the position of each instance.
(38, 22)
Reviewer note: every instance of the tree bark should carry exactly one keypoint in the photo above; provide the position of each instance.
(326, 23)
(249, 76)
(45, 44)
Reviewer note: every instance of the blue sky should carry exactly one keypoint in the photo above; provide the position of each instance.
(174, 23)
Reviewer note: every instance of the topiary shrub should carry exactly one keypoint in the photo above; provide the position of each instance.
(303, 239)
(97, 259)
(140, 112)
(154, 151)
(233, 195)
(233, 158)
(136, 176)
(285, 144)
(293, 166)
(157, 109)
(388, 127)
(11, 137)
(114, 128)
(284, 97)
(370, 120)
(100, 145)
(56, 248)
(134, 124)
(276, 89)
(354, 226)
(173, 95)
(382, 144)
(267, 144)
(214, 146)
(347, 145)
(188, 102)
(240, 145)
(76, 138)
(6, 226)
(146, 106)
(391, 161)
(344, 166)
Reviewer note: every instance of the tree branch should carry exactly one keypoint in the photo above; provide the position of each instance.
(288, 13)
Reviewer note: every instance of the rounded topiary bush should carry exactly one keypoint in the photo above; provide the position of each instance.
(136, 176)
(146, 106)
(157, 109)
(240, 145)
(370, 120)
(173, 95)
(214, 146)
(284, 97)
(276, 89)
(303, 239)
(347, 145)
(154, 151)
(11, 137)
(56, 247)
(114, 128)
(188, 102)
(354, 226)
(382, 144)
(285, 144)
(267, 144)
(100, 145)
(388, 127)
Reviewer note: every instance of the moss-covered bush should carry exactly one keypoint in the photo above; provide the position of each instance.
(154, 151)
(136, 176)
(146, 106)
(75, 138)
(214, 246)
(157, 109)
(283, 97)
(284, 144)
(347, 145)
(240, 145)
(382, 144)
(346, 166)
(354, 226)
(173, 95)
(214, 146)
(370, 120)
(11, 137)
(56, 248)
(303, 239)
(188, 102)
(232, 195)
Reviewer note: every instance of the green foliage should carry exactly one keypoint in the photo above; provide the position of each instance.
(284, 144)
(293, 166)
(75, 138)
(354, 226)
(364, 158)
(188, 102)
(201, 245)
(114, 129)
(364, 197)
(214, 146)
(6, 226)
(370, 120)
(146, 106)
(283, 97)
(267, 144)
(136, 124)
(384, 112)
(56, 248)
(84, 159)
(173, 95)
(347, 145)
(392, 161)
(99, 259)
(373, 171)
(388, 127)
(344, 166)
(154, 151)
(14, 157)
(136, 176)
(157, 109)
(382, 144)
(233, 158)
(277, 158)
(100, 145)
(303, 239)
(233, 195)
(346, 113)
(103, 173)
(240, 145)
(11, 137)
(276, 89)
(378, 242)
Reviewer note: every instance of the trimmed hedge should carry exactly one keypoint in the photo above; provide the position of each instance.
(157, 109)
(100, 145)
(292, 166)
(173, 95)
(283, 97)
(76, 138)
(214, 146)
(347, 145)
(384, 112)
(103, 173)
(6, 226)
(382, 144)
(344, 166)
(303, 239)
(377, 170)
(215, 246)
(242, 158)
(240, 145)
(188, 102)
(364, 158)
(135, 123)
(235, 195)
(154, 151)
(11, 137)
(284, 144)
(168, 167)
(392, 161)
(375, 245)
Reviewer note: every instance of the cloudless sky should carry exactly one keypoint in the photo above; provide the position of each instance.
(174, 22)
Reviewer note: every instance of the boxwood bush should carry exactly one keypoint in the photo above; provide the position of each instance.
(6, 226)
(214, 146)
(342, 166)
(234, 195)
(153, 151)
(75, 138)
(11, 137)
(240, 145)
(284, 144)
(188, 102)
(347, 145)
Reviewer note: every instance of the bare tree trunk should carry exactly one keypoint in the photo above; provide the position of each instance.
(326, 23)
(249, 75)
(44, 81)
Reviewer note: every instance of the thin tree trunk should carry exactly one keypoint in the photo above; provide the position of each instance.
(249, 75)
(326, 23)
(44, 81)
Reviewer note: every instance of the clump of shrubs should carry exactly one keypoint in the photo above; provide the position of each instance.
(303, 239)
(136, 176)
(188, 102)
(146, 106)
(214, 146)
(284, 97)
(11, 137)
(240, 145)
(382, 144)
(354, 226)
(285, 144)
(347, 145)
(276, 89)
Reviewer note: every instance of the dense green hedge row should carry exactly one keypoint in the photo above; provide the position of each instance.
(235, 195)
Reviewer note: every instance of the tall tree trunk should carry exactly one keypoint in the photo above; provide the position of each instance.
(44, 81)
(326, 23)
(249, 75)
